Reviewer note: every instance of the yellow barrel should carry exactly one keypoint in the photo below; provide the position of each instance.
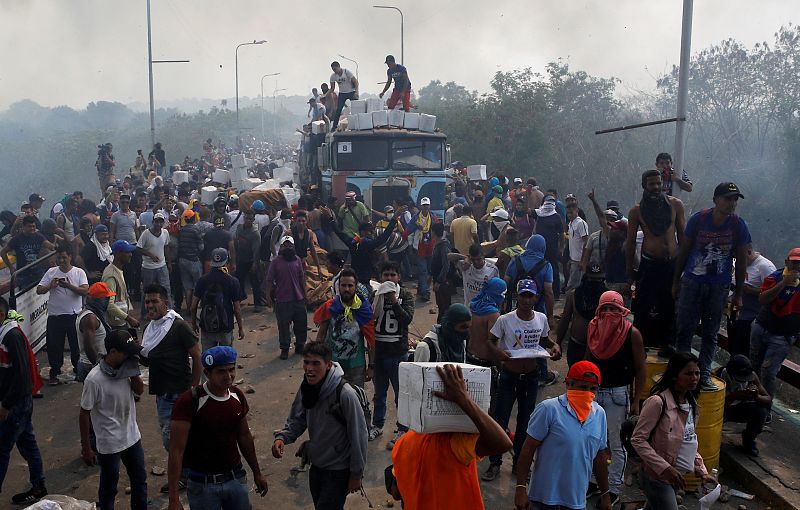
(655, 367)
(711, 406)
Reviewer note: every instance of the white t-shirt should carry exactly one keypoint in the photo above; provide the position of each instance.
(63, 301)
(155, 246)
(113, 411)
(577, 229)
(475, 278)
(684, 463)
(519, 338)
(262, 220)
(344, 82)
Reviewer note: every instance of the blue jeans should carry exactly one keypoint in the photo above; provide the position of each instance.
(700, 303)
(164, 404)
(133, 459)
(159, 276)
(231, 495)
(767, 352)
(522, 389)
(423, 268)
(614, 402)
(17, 429)
(343, 96)
(387, 370)
(660, 495)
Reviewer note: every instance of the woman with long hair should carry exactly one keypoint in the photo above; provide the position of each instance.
(665, 436)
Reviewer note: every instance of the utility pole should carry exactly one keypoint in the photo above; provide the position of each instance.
(683, 86)
(402, 36)
(238, 129)
(275, 114)
(263, 138)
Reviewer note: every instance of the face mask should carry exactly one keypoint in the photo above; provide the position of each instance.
(286, 223)
(581, 402)
(500, 225)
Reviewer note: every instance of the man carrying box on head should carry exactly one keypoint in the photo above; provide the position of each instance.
(439, 471)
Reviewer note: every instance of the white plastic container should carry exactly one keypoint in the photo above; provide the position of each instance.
(364, 121)
(396, 118)
(352, 122)
(208, 194)
(424, 413)
(221, 176)
(427, 122)
(358, 106)
(380, 118)
(411, 121)
(318, 127)
(476, 172)
(180, 176)
(374, 104)
(283, 174)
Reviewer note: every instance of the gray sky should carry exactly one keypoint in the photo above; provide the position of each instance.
(75, 51)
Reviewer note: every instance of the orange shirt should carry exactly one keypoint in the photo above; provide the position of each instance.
(437, 471)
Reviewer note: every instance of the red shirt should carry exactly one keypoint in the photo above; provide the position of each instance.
(212, 447)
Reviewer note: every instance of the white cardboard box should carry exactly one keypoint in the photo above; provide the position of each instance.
(396, 118)
(352, 122)
(364, 121)
(380, 118)
(358, 106)
(476, 172)
(427, 122)
(411, 121)
(238, 160)
(318, 127)
(221, 176)
(421, 411)
(180, 176)
(283, 174)
(374, 104)
(208, 194)
(238, 173)
(247, 184)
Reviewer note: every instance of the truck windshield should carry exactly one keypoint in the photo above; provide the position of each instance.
(417, 154)
(362, 155)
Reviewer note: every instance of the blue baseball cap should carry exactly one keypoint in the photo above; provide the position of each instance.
(219, 355)
(528, 286)
(122, 246)
(100, 228)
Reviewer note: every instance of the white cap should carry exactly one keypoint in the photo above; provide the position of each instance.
(500, 213)
(425, 201)
(517, 180)
(159, 216)
(285, 239)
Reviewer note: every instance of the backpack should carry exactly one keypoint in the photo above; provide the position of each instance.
(511, 294)
(213, 318)
(627, 427)
(363, 400)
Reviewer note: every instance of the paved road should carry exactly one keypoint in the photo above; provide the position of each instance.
(275, 383)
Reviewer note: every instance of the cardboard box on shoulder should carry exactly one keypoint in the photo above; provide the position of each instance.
(374, 104)
(476, 172)
(238, 173)
(423, 412)
(208, 194)
(364, 121)
(427, 122)
(247, 184)
(318, 127)
(221, 176)
(283, 174)
(396, 118)
(180, 176)
(411, 121)
(358, 106)
(238, 160)
(380, 118)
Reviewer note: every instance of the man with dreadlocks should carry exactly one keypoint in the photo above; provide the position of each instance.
(661, 219)
(579, 308)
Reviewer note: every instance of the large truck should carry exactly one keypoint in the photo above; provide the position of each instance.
(382, 165)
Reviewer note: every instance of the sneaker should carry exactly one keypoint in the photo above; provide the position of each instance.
(298, 349)
(491, 473)
(749, 446)
(30, 497)
(284, 353)
(707, 384)
(53, 381)
(181, 487)
(552, 378)
(768, 421)
(398, 435)
(593, 490)
(375, 433)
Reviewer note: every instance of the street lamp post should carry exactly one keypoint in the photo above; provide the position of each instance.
(237, 75)
(402, 45)
(275, 114)
(262, 102)
(351, 60)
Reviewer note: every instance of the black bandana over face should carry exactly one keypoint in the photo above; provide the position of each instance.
(656, 212)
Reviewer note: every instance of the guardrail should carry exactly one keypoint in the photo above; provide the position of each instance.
(788, 373)
(32, 306)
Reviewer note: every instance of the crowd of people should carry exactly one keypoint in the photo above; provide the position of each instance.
(499, 260)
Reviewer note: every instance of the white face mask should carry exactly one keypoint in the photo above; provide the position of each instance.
(286, 223)
(500, 224)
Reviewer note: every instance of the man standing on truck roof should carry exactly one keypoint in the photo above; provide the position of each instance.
(402, 85)
(348, 88)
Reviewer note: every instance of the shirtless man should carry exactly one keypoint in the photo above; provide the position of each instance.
(662, 220)
(580, 305)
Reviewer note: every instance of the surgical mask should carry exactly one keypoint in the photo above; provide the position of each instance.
(581, 402)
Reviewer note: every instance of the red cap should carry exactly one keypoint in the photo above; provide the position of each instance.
(584, 371)
(794, 254)
(100, 290)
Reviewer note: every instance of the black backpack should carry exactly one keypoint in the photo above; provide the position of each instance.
(511, 293)
(363, 400)
(213, 318)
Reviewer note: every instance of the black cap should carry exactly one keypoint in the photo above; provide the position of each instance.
(739, 366)
(389, 59)
(612, 204)
(727, 189)
(123, 342)
(35, 197)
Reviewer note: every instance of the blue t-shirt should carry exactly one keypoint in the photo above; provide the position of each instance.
(565, 457)
(400, 82)
(713, 248)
